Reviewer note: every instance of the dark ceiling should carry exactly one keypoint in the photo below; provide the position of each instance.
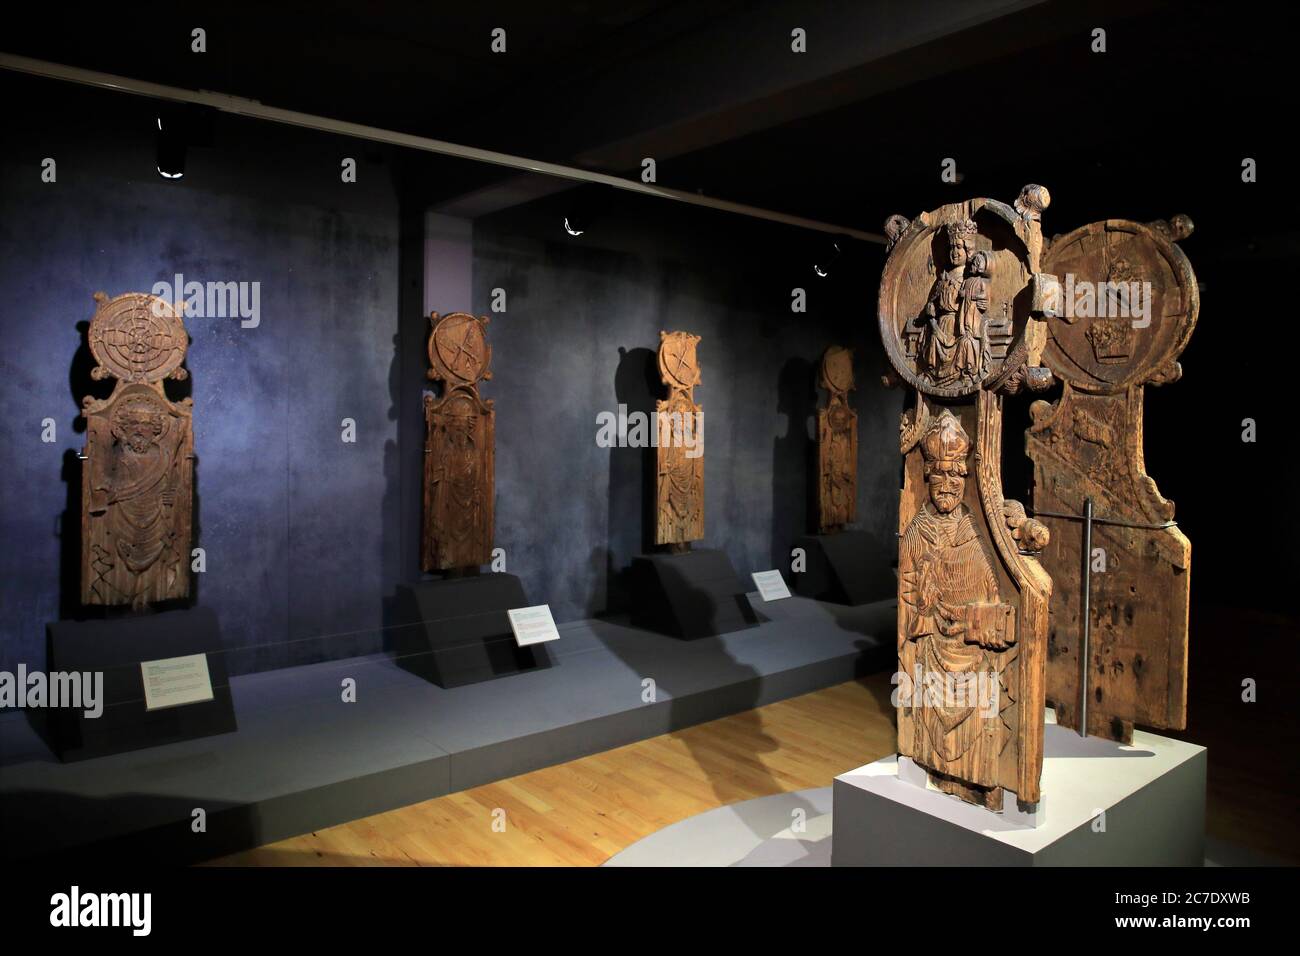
(424, 68)
(849, 132)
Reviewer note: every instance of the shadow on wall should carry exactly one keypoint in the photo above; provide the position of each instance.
(630, 523)
(794, 459)
(403, 504)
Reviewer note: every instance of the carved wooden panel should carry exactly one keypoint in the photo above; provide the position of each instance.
(459, 449)
(958, 295)
(679, 488)
(138, 471)
(961, 304)
(1108, 343)
(837, 444)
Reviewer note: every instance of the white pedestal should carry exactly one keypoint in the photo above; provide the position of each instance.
(1111, 805)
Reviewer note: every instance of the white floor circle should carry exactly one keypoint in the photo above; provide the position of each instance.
(785, 829)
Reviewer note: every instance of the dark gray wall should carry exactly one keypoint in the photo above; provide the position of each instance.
(307, 537)
(579, 337)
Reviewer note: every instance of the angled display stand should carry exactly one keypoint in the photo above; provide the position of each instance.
(455, 631)
(844, 568)
(116, 647)
(689, 595)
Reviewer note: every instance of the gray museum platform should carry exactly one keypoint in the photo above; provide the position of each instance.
(302, 759)
(1104, 804)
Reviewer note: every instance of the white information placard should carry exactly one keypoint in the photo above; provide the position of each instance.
(533, 625)
(173, 681)
(770, 584)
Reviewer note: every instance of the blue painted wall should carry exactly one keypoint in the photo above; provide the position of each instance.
(306, 537)
(293, 520)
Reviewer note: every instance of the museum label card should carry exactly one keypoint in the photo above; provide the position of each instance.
(770, 584)
(173, 681)
(533, 625)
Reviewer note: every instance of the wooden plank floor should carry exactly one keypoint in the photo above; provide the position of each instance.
(581, 813)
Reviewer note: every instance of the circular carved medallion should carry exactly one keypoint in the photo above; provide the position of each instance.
(1129, 303)
(954, 297)
(137, 338)
(458, 348)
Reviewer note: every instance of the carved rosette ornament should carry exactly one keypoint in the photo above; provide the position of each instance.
(837, 444)
(138, 470)
(459, 448)
(962, 307)
(1129, 305)
(679, 488)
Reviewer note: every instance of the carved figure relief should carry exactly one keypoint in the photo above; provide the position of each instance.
(837, 444)
(459, 449)
(960, 320)
(952, 344)
(972, 602)
(954, 622)
(679, 490)
(1130, 305)
(138, 470)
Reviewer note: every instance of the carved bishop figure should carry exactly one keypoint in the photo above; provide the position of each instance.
(679, 489)
(459, 470)
(138, 470)
(955, 630)
(962, 301)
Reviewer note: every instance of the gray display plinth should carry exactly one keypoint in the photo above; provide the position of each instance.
(1108, 805)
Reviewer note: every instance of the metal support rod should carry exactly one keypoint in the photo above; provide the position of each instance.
(1110, 521)
(1085, 610)
(240, 106)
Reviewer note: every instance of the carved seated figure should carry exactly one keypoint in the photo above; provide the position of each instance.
(952, 325)
(956, 634)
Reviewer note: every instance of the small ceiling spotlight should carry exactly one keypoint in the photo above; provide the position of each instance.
(181, 127)
(171, 148)
(822, 268)
(581, 208)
